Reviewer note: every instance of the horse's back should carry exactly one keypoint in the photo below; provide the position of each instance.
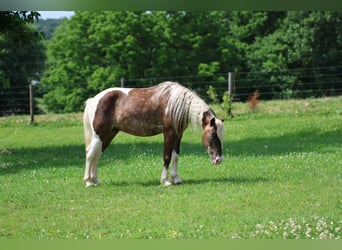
(137, 111)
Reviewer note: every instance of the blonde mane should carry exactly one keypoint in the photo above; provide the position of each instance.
(183, 105)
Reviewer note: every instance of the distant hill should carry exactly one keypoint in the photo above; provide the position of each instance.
(48, 26)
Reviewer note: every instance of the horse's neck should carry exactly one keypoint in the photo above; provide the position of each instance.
(197, 110)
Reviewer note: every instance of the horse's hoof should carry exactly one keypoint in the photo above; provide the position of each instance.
(177, 181)
(167, 183)
(90, 184)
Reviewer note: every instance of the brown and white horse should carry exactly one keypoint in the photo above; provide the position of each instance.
(166, 108)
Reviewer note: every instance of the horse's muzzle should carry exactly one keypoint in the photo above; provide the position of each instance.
(217, 160)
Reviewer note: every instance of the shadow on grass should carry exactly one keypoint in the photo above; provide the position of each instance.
(191, 182)
(13, 160)
(288, 143)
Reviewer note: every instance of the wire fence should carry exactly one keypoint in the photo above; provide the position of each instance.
(282, 84)
(287, 84)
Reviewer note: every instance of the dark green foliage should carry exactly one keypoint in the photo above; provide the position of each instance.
(22, 58)
(94, 50)
(281, 54)
(301, 40)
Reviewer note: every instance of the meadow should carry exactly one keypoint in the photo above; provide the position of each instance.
(281, 178)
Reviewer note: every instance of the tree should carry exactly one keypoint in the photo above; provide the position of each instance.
(69, 64)
(93, 50)
(302, 40)
(13, 25)
(261, 49)
(320, 49)
(21, 59)
(48, 26)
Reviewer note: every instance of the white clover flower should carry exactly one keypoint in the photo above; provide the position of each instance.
(322, 236)
(258, 226)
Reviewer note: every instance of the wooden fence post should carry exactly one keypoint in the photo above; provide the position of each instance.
(32, 83)
(230, 93)
(230, 85)
(31, 103)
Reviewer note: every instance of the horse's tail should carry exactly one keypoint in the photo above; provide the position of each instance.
(87, 125)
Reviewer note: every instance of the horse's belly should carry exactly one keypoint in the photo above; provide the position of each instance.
(141, 127)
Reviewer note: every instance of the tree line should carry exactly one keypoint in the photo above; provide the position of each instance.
(22, 55)
(94, 50)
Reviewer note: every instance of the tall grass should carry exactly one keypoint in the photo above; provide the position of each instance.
(281, 178)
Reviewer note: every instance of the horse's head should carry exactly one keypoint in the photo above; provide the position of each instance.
(212, 138)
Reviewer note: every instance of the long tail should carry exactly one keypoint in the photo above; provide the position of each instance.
(86, 125)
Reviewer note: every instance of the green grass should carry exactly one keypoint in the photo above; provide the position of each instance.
(281, 178)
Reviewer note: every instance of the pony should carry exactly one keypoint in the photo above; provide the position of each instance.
(166, 108)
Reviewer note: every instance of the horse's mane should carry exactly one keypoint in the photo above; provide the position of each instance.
(183, 105)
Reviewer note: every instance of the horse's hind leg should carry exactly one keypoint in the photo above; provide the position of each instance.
(93, 153)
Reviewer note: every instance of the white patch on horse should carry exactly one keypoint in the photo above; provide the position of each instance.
(91, 103)
(93, 153)
(163, 179)
(174, 162)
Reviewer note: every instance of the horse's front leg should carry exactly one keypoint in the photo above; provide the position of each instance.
(174, 163)
(164, 176)
(171, 154)
(93, 153)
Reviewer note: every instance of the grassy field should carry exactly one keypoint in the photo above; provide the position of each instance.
(281, 178)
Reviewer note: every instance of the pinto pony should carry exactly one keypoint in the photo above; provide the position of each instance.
(166, 108)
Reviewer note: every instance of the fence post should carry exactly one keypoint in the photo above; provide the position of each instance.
(31, 103)
(122, 82)
(230, 85)
(32, 83)
(230, 93)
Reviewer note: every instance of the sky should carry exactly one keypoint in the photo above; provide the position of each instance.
(55, 14)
